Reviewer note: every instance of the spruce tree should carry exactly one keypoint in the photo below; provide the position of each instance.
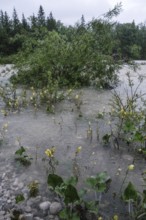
(41, 17)
(15, 22)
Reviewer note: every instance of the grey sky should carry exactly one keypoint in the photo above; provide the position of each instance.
(70, 12)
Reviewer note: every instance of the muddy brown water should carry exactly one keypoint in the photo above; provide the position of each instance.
(66, 131)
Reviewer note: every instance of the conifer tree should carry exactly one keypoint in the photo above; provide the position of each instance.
(41, 17)
(15, 22)
(51, 22)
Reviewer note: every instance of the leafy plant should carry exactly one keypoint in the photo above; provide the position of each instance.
(75, 206)
(22, 157)
(33, 188)
(126, 117)
(19, 198)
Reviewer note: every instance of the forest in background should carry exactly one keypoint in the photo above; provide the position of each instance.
(44, 49)
(130, 38)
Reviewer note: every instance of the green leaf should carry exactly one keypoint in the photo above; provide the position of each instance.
(71, 194)
(129, 126)
(82, 192)
(92, 206)
(19, 198)
(20, 151)
(67, 214)
(102, 177)
(144, 197)
(72, 181)
(99, 182)
(54, 180)
(74, 217)
(106, 138)
(63, 214)
(130, 193)
(138, 136)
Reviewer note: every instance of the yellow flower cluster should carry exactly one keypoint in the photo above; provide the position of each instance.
(50, 152)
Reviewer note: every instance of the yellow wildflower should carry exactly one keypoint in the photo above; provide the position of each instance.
(115, 217)
(131, 167)
(50, 152)
(78, 149)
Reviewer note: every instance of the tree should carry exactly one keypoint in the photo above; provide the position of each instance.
(1, 19)
(82, 25)
(24, 23)
(33, 22)
(51, 22)
(142, 40)
(127, 35)
(41, 17)
(15, 22)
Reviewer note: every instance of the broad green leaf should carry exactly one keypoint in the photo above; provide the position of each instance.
(72, 180)
(92, 206)
(20, 151)
(130, 193)
(138, 136)
(54, 180)
(63, 214)
(71, 194)
(99, 182)
(92, 181)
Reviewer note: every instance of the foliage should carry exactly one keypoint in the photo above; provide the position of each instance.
(82, 60)
(99, 182)
(3, 131)
(129, 38)
(130, 193)
(19, 198)
(136, 201)
(16, 100)
(75, 205)
(33, 188)
(126, 117)
(22, 157)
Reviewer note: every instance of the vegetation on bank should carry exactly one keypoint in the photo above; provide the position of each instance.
(47, 52)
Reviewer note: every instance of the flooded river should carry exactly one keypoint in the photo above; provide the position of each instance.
(65, 130)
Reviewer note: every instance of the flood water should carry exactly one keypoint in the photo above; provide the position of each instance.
(65, 130)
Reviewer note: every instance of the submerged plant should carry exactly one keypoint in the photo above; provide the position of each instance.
(3, 132)
(126, 117)
(52, 162)
(76, 207)
(22, 157)
(19, 198)
(33, 188)
(89, 132)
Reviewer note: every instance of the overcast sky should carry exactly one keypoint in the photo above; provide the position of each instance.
(70, 11)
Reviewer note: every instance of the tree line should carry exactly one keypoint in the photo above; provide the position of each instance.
(46, 51)
(130, 38)
(14, 31)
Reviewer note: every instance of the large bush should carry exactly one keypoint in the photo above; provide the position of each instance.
(80, 55)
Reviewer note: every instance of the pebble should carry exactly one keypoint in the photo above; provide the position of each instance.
(55, 207)
(37, 208)
(45, 205)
